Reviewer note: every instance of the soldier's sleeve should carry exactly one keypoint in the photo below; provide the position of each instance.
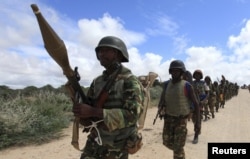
(129, 112)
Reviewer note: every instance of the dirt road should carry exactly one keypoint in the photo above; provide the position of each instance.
(230, 124)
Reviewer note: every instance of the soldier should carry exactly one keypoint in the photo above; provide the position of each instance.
(217, 99)
(174, 106)
(212, 96)
(114, 134)
(188, 77)
(222, 88)
(201, 91)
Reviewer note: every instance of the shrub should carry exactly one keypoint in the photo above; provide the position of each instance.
(33, 119)
(155, 93)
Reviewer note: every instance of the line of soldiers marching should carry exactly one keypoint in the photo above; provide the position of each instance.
(217, 92)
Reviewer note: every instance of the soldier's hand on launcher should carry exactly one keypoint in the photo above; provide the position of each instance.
(82, 110)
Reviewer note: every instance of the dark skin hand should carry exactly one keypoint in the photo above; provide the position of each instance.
(86, 111)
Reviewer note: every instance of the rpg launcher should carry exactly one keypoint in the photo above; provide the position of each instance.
(57, 50)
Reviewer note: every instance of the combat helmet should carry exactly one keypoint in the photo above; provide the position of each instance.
(114, 42)
(216, 83)
(208, 78)
(177, 64)
(199, 72)
(188, 76)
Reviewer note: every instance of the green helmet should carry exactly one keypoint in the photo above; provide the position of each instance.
(177, 64)
(116, 43)
(208, 78)
(198, 72)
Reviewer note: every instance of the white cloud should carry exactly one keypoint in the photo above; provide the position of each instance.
(214, 62)
(162, 25)
(91, 30)
(25, 62)
(241, 44)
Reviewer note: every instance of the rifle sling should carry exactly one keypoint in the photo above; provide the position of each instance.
(103, 96)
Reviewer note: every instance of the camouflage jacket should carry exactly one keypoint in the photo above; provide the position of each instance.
(124, 103)
(200, 88)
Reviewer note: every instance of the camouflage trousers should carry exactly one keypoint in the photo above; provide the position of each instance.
(209, 107)
(174, 135)
(211, 103)
(94, 151)
(217, 104)
(222, 100)
(194, 117)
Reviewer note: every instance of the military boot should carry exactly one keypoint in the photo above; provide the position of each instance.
(196, 139)
(213, 115)
(205, 118)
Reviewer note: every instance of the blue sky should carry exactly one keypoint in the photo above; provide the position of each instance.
(211, 35)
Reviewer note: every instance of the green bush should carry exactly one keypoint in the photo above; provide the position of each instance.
(155, 93)
(35, 116)
(33, 119)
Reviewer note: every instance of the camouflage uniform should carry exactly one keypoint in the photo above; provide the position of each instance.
(211, 98)
(200, 88)
(174, 106)
(121, 113)
(217, 99)
(174, 135)
(222, 93)
(175, 118)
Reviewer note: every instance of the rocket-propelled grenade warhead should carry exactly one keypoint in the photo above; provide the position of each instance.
(52, 43)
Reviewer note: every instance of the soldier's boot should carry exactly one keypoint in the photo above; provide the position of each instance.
(205, 118)
(213, 115)
(196, 139)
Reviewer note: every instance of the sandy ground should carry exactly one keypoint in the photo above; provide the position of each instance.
(230, 124)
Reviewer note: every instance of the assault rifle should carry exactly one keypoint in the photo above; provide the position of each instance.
(161, 102)
(57, 50)
(157, 115)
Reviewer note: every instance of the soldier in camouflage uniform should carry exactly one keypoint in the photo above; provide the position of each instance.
(117, 119)
(188, 77)
(222, 88)
(202, 93)
(176, 98)
(211, 98)
(217, 99)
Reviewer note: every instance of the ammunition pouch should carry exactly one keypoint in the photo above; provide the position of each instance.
(134, 143)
